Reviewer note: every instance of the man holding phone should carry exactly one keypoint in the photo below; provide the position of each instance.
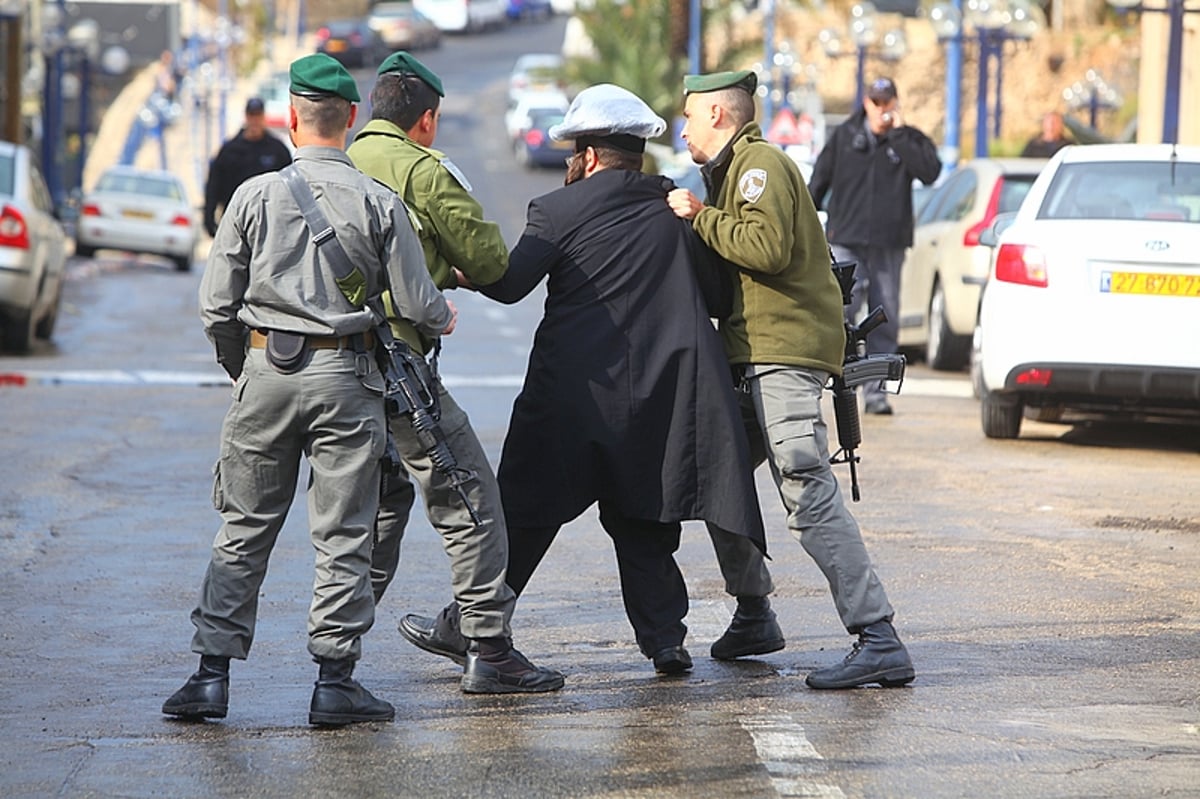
(866, 170)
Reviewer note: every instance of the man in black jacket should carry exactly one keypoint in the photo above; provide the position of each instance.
(251, 152)
(867, 168)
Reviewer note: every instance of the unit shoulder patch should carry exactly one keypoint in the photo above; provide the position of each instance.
(456, 173)
(752, 183)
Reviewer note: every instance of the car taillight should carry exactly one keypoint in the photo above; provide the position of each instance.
(971, 237)
(13, 230)
(1035, 377)
(91, 209)
(322, 34)
(1021, 263)
(180, 219)
(534, 138)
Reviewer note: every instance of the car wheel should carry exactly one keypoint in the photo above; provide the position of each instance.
(183, 263)
(45, 325)
(945, 351)
(19, 332)
(84, 250)
(1001, 416)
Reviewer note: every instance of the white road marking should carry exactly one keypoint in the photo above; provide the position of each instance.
(789, 757)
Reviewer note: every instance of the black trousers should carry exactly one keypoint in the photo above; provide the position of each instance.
(651, 584)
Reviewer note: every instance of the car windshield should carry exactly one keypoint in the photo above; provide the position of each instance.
(139, 184)
(7, 174)
(1124, 190)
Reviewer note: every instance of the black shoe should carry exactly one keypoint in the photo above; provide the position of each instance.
(508, 673)
(439, 636)
(672, 660)
(878, 406)
(206, 693)
(753, 631)
(877, 657)
(338, 699)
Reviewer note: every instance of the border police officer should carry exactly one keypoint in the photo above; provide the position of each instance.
(785, 337)
(266, 284)
(395, 147)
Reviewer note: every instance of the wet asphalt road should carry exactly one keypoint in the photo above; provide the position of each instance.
(1046, 588)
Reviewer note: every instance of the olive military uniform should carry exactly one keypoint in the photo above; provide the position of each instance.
(453, 233)
(786, 334)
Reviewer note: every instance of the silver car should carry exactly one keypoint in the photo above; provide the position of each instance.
(33, 251)
(138, 210)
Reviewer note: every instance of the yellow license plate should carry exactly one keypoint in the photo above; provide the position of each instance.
(134, 214)
(1150, 283)
(335, 46)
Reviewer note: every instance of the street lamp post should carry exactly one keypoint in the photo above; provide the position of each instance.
(993, 23)
(1092, 93)
(891, 46)
(1174, 10)
(84, 42)
(11, 18)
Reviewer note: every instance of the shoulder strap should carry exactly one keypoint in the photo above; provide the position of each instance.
(323, 234)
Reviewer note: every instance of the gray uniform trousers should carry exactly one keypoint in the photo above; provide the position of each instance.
(781, 408)
(335, 419)
(876, 283)
(478, 553)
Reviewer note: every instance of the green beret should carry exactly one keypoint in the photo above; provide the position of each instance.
(404, 63)
(715, 81)
(320, 75)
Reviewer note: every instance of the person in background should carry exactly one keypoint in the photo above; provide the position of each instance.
(253, 151)
(265, 282)
(784, 339)
(1050, 140)
(865, 171)
(395, 148)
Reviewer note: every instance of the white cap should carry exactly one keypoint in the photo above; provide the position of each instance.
(608, 110)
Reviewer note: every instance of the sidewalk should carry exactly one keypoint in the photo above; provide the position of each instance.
(184, 142)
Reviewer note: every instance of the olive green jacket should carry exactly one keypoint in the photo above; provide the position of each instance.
(448, 219)
(787, 307)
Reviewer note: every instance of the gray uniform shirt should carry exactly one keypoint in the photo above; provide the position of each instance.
(264, 271)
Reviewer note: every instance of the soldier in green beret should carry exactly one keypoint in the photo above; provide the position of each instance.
(785, 337)
(265, 283)
(396, 148)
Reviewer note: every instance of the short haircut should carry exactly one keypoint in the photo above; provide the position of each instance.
(402, 99)
(326, 116)
(612, 157)
(738, 102)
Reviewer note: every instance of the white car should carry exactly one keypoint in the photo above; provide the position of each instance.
(945, 267)
(33, 251)
(518, 117)
(1092, 303)
(464, 16)
(138, 210)
(534, 72)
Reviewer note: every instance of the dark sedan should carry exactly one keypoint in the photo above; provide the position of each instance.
(535, 148)
(352, 42)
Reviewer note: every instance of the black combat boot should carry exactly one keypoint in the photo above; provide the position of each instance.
(440, 636)
(753, 631)
(206, 693)
(337, 699)
(877, 657)
(494, 666)
(672, 660)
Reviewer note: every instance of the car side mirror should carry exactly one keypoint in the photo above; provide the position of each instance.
(990, 237)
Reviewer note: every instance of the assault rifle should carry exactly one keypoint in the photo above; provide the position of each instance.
(857, 368)
(408, 391)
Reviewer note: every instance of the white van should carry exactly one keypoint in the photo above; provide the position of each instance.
(464, 16)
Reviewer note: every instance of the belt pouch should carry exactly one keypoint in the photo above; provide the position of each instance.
(285, 351)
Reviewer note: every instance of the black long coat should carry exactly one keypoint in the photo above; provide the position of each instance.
(628, 396)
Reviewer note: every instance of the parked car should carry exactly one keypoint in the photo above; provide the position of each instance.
(535, 148)
(1092, 303)
(945, 268)
(529, 9)
(402, 27)
(464, 16)
(33, 251)
(138, 210)
(534, 72)
(518, 116)
(352, 42)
